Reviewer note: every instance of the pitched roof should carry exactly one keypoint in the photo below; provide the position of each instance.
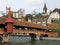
(41, 18)
(54, 26)
(55, 10)
(23, 23)
(9, 19)
(2, 20)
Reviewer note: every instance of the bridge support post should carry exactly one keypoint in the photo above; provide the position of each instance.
(1, 38)
(5, 38)
(41, 37)
(37, 37)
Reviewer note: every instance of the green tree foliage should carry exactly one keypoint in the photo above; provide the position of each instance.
(21, 11)
(56, 30)
(28, 16)
(11, 13)
(3, 14)
(38, 15)
(56, 21)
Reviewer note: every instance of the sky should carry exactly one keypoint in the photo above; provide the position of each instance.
(29, 5)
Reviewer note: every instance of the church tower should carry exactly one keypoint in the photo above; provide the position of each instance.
(45, 8)
(7, 10)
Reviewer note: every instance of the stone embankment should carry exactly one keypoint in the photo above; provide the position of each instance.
(51, 38)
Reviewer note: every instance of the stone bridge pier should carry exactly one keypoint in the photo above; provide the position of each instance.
(4, 38)
(1, 38)
(35, 36)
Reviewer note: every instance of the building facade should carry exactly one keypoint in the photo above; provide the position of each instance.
(55, 14)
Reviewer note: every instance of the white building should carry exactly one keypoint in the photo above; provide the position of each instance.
(55, 14)
(15, 15)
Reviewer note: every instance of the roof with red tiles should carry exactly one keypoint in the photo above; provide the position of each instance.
(26, 24)
(54, 26)
(23, 23)
(9, 19)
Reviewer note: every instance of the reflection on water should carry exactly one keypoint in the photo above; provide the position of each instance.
(40, 42)
(28, 41)
(19, 39)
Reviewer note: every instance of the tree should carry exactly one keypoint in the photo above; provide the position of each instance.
(11, 13)
(56, 21)
(38, 15)
(34, 12)
(21, 11)
(3, 14)
(56, 30)
(28, 16)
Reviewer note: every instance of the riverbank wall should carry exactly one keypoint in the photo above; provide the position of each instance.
(51, 38)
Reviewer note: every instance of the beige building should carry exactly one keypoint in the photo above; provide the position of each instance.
(17, 16)
(43, 20)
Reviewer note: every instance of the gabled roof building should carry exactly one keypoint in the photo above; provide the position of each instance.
(55, 14)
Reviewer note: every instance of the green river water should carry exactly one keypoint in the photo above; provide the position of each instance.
(28, 41)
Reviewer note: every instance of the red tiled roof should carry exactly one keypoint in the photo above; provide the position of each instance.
(54, 26)
(9, 19)
(23, 23)
(2, 20)
(1, 31)
(26, 24)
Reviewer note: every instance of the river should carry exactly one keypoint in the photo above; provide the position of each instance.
(28, 41)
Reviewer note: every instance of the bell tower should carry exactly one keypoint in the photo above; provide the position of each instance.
(45, 8)
(7, 10)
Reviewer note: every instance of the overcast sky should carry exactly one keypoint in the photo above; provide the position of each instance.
(29, 5)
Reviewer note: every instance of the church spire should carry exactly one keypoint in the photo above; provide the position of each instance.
(45, 8)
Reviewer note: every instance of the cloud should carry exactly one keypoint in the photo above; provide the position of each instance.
(34, 2)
